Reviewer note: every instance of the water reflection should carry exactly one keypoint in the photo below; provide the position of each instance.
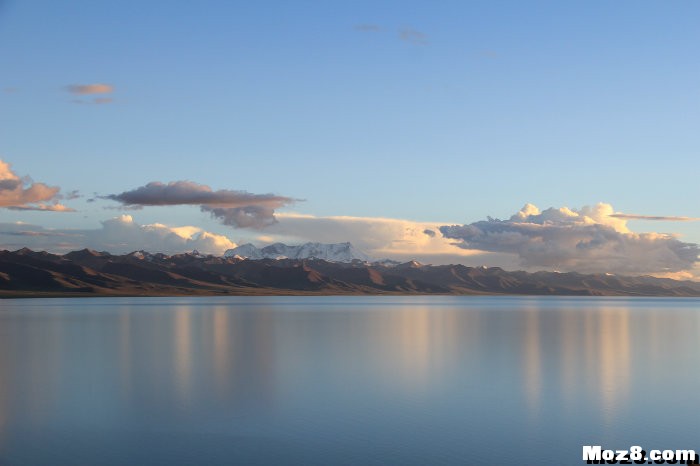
(182, 340)
(570, 366)
(593, 349)
(125, 353)
(222, 329)
(413, 345)
(614, 359)
(441, 375)
(532, 359)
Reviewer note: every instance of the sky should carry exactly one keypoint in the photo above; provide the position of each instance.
(529, 135)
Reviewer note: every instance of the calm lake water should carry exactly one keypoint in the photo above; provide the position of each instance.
(344, 380)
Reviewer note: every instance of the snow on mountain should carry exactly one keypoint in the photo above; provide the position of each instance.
(338, 252)
(246, 251)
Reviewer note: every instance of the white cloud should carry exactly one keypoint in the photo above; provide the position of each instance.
(378, 237)
(590, 239)
(117, 235)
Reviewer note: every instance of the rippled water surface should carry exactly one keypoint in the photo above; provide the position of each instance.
(344, 380)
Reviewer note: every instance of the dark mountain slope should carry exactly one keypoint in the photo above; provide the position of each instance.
(88, 273)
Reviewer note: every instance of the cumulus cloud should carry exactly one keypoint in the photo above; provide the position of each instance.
(235, 208)
(23, 194)
(86, 89)
(380, 238)
(118, 235)
(591, 239)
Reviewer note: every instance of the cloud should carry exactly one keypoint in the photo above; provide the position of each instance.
(252, 216)
(85, 89)
(412, 36)
(655, 217)
(367, 27)
(118, 235)
(190, 193)
(35, 233)
(44, 207)
(23, 194)
(70, 195)
(235, 208)
(378, 237)
(591, 239)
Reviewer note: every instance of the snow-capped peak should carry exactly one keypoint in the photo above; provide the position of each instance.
(337, 252)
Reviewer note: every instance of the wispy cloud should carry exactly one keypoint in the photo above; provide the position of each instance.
(24, 194)
(70, 195)
(38, 233)
(86, 89)
(43, 207)
(234, 208)
(412, 36)
(591, 239)
(655, 217)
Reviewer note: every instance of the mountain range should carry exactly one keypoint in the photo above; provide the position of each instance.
(337, 252)
(26, 273)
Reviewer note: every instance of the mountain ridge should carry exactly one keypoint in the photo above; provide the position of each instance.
(332, 252)
(26, 273)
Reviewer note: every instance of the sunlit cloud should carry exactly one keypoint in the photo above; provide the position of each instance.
(117, 235)
(43, 207)
(24, 194)
(590, 239)
(86, 89)
(381, 238)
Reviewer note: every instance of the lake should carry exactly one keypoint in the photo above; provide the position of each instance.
(344, 380)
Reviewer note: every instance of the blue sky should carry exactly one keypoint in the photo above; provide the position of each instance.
(440, 111)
